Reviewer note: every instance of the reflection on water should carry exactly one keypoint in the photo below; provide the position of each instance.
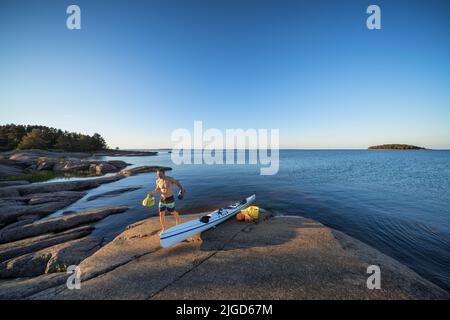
(397, 201)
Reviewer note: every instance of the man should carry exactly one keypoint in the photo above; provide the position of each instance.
(164, 185)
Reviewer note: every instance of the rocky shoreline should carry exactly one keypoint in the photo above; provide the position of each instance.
(32, 244)
(278, 258)
(16, 163)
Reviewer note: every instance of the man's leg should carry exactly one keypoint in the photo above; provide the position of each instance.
(171, 209)
(162, 219)
(177, 217)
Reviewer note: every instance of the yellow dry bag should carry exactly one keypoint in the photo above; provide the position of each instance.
(148, 201)
(252, 211)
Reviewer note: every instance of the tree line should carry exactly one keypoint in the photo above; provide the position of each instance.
(14, 136)
(395, 147)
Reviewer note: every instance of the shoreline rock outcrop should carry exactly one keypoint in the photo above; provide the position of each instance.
(31, 246)
(50, 245)
(28, 245)
(56, 224)
(19, 162)
(35, 206)
(51, 259)
(44, 187)
(33, 154)
(11, 168)
(278, 258)
(36, 200)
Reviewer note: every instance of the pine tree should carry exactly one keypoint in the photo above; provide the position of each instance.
(33, 140)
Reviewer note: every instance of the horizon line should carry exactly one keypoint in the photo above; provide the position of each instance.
(169, 149)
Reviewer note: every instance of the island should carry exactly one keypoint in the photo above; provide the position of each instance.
(396, 147)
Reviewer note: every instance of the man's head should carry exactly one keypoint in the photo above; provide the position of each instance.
(160, 173)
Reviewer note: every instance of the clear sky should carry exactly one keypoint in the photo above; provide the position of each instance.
(137, 70)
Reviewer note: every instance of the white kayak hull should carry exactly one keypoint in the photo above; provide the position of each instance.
(186, 230)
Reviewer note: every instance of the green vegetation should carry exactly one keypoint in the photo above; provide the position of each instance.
(78, 173)
(41, 137)
(45, 175)
(35, 176)
(33, 140)
(396, 147)
(61, 268)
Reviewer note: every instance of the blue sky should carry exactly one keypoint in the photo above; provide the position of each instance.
(137, 70)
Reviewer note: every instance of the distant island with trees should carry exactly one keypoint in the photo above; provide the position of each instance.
(23, 137)
(396, 147)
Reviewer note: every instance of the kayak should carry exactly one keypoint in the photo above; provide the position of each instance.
(185, 230)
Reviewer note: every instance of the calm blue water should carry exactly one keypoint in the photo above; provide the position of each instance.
(396, 201)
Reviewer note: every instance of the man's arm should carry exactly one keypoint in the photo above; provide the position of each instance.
(157, 190)
(178, 184)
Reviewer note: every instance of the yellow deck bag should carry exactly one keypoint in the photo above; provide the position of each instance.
(252, 211)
